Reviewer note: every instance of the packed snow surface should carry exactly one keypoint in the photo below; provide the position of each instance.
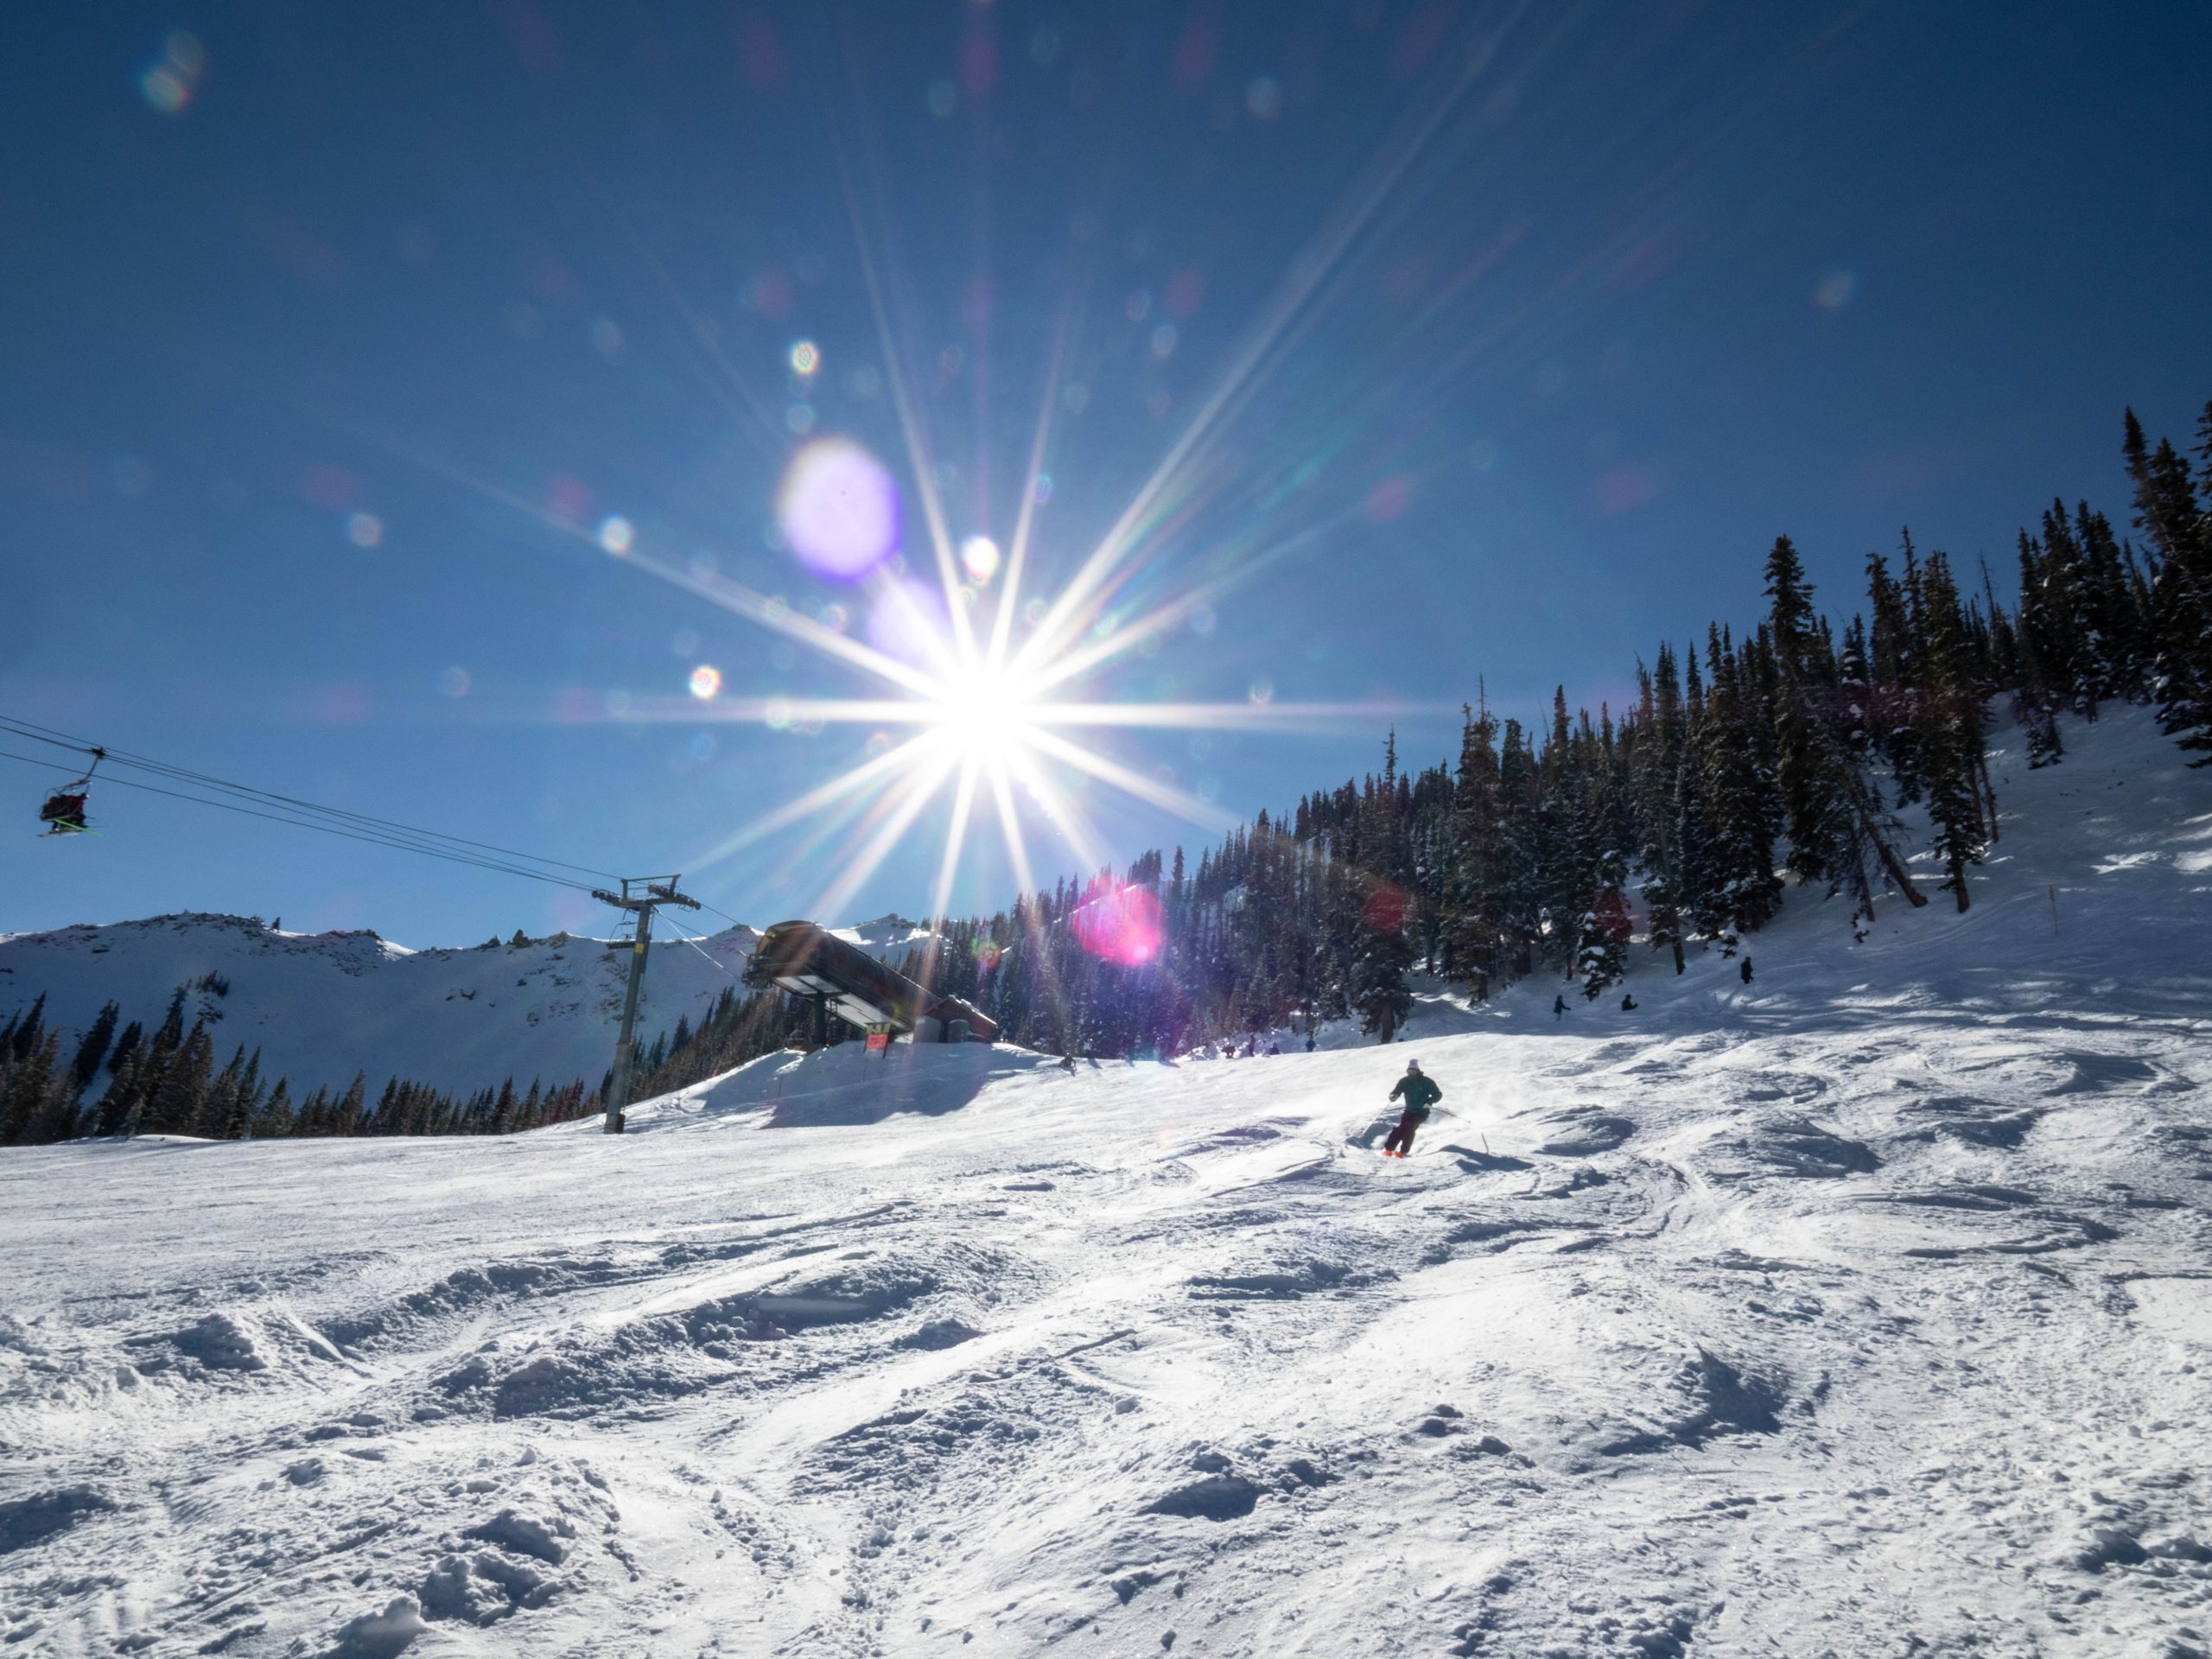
(1865, 1308)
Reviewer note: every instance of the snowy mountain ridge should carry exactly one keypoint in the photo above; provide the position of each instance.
(323, 1006)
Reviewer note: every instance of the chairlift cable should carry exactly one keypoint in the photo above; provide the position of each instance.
(725, 967)
(724, 914)
(392, 827)
(326, 829)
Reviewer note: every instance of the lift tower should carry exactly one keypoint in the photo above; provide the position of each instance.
(641, 894)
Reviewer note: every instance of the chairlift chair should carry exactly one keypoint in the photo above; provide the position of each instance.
(64, 811)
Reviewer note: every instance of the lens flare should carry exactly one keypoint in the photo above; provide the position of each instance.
(838, 509)
(706, 682)
(617, 535)
(908, 621)
(1122, 926)
(168, 82)
(806, 357)
(979, 557)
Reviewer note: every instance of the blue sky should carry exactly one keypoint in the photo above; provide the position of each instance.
(331, 337)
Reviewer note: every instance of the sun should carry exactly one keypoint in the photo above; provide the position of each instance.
(983, 711)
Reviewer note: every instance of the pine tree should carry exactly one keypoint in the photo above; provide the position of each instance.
(93, 1049)
(221, 1105)
(1951, 736)
(53, 1096)
(348, 1116)
(1892, 674)
(179, 1093)
(2035, 699)
(1378, 988)
(1664, 725)
(1816, 813)
(1473, 929)
(125, 1046)
(1740, 891)
(274, 1120)
(245, 1104)
(26, 1031)
(33, 1084)
(2167, 511)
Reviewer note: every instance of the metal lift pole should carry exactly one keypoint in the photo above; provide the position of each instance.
(651, 892)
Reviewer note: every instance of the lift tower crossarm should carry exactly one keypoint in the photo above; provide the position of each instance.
(641, 894)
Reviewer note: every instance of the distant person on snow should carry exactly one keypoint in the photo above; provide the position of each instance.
(1746, 970)
(1421, 1094)
(1628, 1004)
(1559, 1007)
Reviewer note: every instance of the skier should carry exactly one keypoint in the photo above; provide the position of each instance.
(1559, 1007)
(1628, 1004)
(1746, 970)
(1422, 1094)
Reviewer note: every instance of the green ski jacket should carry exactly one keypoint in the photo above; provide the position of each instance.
(1420, 1092)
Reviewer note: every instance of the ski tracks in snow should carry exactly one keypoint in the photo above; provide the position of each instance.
(1678, 1349)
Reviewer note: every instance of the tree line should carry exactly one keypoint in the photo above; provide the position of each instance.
(127, 1081)
(1790, 754)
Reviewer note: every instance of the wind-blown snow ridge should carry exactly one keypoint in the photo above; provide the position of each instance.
(1864, 1309)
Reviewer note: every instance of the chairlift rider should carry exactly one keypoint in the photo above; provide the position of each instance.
(64, 811)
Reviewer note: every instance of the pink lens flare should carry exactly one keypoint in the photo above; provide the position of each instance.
(838, 509)
(1387, 907)
(1123, 926)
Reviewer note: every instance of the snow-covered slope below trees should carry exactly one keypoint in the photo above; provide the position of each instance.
(1863, 1309)
(322, 1006)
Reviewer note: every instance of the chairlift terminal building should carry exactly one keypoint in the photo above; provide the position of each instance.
(839, 977)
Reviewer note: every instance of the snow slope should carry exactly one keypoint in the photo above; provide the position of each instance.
(323, 1006)
(1865, 1309)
